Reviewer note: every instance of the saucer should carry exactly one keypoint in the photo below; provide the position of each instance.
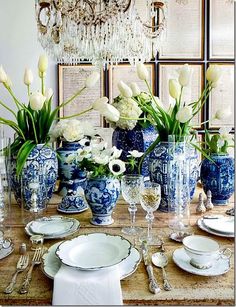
(51, 263)
(53, 227)
(6, 249)
(224, 224)
(201, 224)
(182, 260)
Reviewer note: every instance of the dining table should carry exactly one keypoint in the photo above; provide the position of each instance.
(187, 288)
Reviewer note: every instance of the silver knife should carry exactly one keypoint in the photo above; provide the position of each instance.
(153, 285)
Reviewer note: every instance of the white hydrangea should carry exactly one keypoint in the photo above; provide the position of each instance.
(71, 130)
(128, 108)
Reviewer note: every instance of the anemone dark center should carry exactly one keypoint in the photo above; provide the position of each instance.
(116, 168)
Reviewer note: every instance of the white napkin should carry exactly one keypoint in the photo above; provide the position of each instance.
(77, 287)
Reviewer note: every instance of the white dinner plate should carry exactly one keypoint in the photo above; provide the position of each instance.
(94, 251)
(53, 227)
(202, 225)
(51, 264)
(224, 224)
(182, 260)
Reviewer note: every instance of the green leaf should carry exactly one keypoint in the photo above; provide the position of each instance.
(23, 154)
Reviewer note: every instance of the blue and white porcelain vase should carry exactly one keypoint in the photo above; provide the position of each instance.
(69, 171)
(41, 164)
(139, 139)
(158, 167)
(101, 194)
(218, 177)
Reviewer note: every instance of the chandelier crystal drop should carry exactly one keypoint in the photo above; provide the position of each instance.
(100, 31)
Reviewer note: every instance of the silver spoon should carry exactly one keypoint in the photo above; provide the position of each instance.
(160, 260)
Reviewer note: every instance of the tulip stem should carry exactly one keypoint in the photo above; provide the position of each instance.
(18, 104)
(5, 106)
(28, 90)
(75, 115)
(71, 98)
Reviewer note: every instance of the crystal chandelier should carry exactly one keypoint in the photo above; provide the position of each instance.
(100, 31)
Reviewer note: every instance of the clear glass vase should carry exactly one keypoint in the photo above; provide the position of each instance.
(178, 188)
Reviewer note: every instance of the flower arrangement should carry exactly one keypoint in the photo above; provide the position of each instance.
(174, 119)
(100, 161)
(33, 120)
(218, 143)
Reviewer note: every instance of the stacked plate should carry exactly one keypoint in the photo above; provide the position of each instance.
(218, 225)
(93, 251)
(53, 227)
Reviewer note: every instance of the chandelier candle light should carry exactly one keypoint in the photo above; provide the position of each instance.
(100, 31)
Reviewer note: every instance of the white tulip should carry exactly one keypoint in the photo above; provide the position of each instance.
(3, 75)
(36, 101)
(185, 74)
(48, 93)
(124, 89)
(174, 88)
(42, 64)
(135, 89)
(222, 114)
(225, 133)
(111, 113)
(142, 72)
(213, 73)
(28, 77)
(184, 114)
(100, 103)
(92, 79)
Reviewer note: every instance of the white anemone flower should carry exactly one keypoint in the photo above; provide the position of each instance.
(136, 153)
(85, 142)
(98, 146)
(117, 167)
(101, 159)
(83, 153)
(116, 153)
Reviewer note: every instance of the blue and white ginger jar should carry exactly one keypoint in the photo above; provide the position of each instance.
(41, 164)
(218, 177)
(101, 194)
(136, 139)
(158, 167)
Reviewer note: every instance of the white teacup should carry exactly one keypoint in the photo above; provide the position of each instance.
(204, 251)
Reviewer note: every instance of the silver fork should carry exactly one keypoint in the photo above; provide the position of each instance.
(20, 267)
(37, 259)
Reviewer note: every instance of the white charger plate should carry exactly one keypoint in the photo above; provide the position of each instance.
(51, 264)
(182, 260)
(224, 224)
(53, 227)
(201, 225)
(94, 251)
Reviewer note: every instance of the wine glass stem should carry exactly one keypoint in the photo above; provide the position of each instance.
(132, 210)
(149, 218)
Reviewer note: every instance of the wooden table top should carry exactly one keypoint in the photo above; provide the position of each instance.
(188, 289)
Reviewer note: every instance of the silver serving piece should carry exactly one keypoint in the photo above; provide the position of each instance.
(153, 285)
(20, 267)
(37, 259)
(160, 260)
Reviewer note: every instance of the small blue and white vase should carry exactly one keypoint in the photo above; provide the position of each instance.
(139, 139)
(69, 171)
(74, 201)
(218, 177)
(40, 168)
(158, 166)
(101, 194)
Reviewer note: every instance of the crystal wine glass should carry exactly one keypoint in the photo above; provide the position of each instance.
(150, 197)
(130, 187)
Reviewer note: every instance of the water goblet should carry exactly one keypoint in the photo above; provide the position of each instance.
(150, 198)
(130, 186)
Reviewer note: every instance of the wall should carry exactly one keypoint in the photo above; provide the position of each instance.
(19, 48)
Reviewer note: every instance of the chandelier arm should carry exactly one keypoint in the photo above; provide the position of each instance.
(157, 26)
